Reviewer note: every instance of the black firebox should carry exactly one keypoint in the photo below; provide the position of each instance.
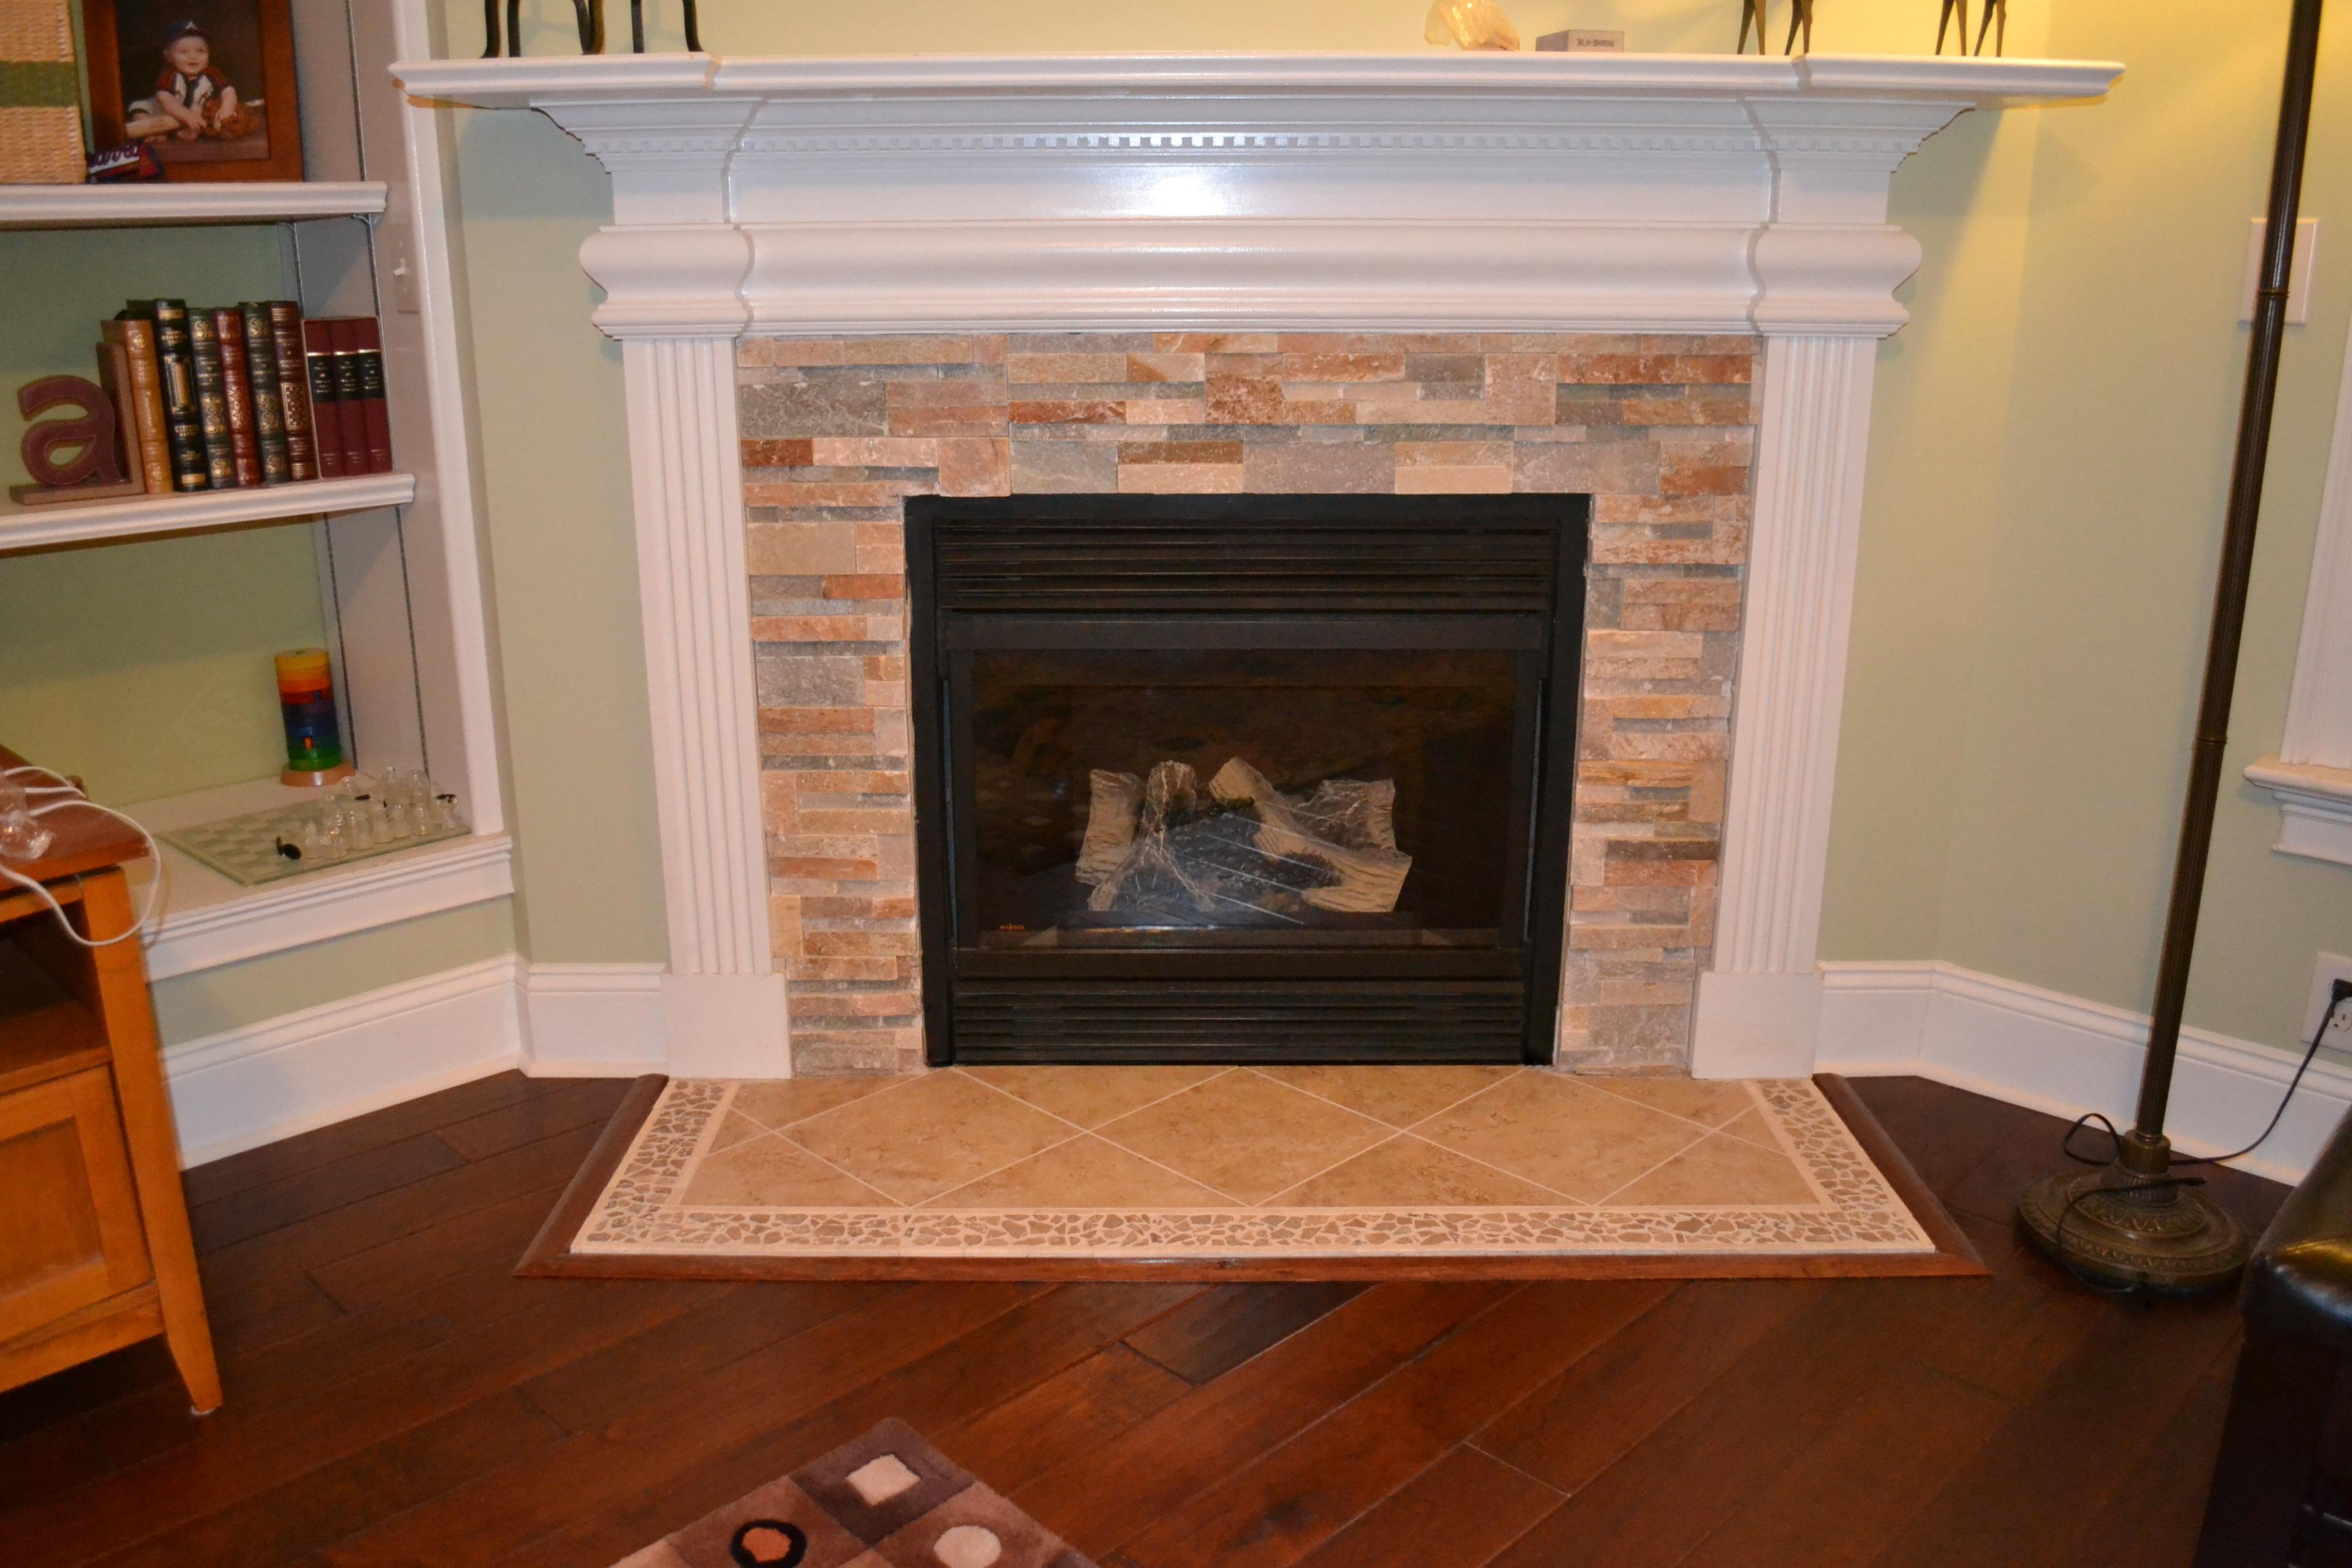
(1243, 778)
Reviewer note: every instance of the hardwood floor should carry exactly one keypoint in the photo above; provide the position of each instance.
(394, 1396)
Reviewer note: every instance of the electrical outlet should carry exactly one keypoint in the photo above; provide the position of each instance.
(2331, 968)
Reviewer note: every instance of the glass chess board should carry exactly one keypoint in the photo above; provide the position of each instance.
(245, 848)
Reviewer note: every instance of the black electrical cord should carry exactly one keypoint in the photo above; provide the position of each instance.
(2066, 1145)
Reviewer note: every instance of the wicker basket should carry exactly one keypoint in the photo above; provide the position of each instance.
(40, 96)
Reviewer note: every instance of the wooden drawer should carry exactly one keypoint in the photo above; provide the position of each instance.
(69, 1229)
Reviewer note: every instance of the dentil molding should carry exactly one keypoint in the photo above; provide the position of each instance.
(1580, 193)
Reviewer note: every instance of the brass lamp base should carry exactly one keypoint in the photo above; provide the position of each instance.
(2111, 1229)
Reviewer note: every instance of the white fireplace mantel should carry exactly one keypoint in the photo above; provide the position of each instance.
(1433, 192)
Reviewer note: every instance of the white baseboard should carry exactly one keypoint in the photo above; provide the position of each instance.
(593, 1020)
(2065, 1056)
(243, 1088)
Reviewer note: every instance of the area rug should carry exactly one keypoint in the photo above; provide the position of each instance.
(1280, 1172)
(887, 1499)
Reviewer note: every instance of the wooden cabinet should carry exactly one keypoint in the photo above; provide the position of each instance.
(95, 1250)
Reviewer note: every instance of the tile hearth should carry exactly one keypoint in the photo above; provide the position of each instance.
(1215, 1161)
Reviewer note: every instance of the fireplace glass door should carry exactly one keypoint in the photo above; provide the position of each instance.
(1249, 781)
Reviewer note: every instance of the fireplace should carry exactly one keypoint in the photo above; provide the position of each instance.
(1242, 778)
(842, 285)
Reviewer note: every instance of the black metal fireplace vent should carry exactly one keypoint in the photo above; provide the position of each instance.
(1274, 779)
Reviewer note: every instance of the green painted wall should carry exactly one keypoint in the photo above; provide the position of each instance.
(144, 667)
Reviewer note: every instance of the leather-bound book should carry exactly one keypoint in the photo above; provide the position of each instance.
(236, 391)
(212, 400)
(344, 334)
(175, 362)
(261, 375)
(114, 376)
(293, 389)
(376, 412)
(326, 406)
(149, 431)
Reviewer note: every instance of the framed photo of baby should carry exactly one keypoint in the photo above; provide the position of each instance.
(207, 85)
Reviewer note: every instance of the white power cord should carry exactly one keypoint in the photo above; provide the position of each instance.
(76, 801)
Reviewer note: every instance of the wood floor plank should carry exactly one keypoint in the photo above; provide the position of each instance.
(715, 1333)
(297, 1516)
(260, 1210)
(1847, 1496)
(291, 1157)
(1100, 1500)
(1579, 1423)
(1280, 1506)
(2062, 1454)
(993, 1364)
(575, 1103)
(250, 1278)
(1069, 1414)
(678, 1430)
(488, 1239)
(1747, 1428)
(1463, 1510)
(1209, 1337)
(232, 1461)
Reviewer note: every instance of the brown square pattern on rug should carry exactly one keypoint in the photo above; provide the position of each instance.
(1106, 1163)
(887, 1499)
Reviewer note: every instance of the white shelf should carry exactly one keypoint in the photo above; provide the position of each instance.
(244, 201)
(71, 522)
(209, 920)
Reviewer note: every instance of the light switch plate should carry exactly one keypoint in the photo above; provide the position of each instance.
(2298, 283)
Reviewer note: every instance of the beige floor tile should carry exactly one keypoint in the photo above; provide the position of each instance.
(1719, 1172)
(1084, 1173)
(1408, 1172)
(766, 1171)
(734, 1128)
(1091, 1095)
(1560, 1134)
(1712, 1101)
(1399, 1096)
(778, 1104)
(1752, 1126)
(937, 1133)
(1245, 1134)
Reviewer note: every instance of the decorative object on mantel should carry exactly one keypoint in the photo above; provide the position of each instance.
(94, 471)
(1995, 21)
(588, 16)
(2135, 1222)
(1754, 11)
(40, 95)
(214, 99)
(1801, 17)
(359, 820)
(1469, 25)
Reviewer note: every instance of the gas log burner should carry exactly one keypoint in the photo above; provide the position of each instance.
(1243, 778)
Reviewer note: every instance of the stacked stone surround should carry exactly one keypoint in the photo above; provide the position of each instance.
(836, 432)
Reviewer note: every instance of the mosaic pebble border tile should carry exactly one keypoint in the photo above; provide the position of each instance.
(838, 432)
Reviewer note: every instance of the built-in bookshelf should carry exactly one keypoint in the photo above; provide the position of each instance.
(399, 577)
(147, 205)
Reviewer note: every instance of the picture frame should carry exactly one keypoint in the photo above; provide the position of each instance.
(207, 85)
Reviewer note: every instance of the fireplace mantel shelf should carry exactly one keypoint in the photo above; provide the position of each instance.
(1660, 192)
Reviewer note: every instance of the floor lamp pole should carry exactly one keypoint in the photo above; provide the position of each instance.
(2131, 1224)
